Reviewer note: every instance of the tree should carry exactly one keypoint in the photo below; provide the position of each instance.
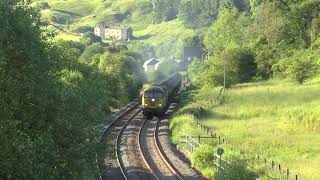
(50, 104)
(197, 13)
(89, 38)
(90, 51)
(164, 10)
(194, 41)
(240, 67)
(229, 31)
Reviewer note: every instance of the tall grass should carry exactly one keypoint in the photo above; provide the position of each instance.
(274, 119)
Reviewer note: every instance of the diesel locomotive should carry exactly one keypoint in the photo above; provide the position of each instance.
(155, 99)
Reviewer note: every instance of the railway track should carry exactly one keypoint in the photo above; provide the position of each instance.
(136, 148)
(107, 159)
(129, 152)
(152, 155)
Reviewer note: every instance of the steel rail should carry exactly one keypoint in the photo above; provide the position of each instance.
(161, 153)
(130, 107)
(141, 153)
(121, 115)
(120, 163)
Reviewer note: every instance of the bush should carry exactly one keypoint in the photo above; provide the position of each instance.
(298, 67)
(301, 69)
(203, 159)
(237, 168)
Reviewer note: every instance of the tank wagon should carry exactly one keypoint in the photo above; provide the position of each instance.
(155, 99)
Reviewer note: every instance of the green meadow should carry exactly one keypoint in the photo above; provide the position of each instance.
(275, 119)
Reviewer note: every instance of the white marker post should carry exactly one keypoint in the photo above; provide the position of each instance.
(220, 152)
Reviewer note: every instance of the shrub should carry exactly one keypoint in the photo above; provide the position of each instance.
(298, 67)
(203, 158)
(237, 168)
(301, 69)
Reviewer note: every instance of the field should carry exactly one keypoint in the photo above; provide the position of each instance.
(273, 119)
(90, 12)
(79, 16)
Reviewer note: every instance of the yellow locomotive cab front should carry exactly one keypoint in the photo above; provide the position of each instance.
(153, 101)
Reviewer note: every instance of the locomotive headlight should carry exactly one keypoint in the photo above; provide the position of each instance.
(152, 100)
(160, 105)
(146, 104)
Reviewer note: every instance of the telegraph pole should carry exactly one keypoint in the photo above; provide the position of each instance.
(224, 74)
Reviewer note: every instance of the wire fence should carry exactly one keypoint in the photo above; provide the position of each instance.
(277, 169)
(192, 142)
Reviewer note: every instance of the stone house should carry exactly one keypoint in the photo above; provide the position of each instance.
(115, 32)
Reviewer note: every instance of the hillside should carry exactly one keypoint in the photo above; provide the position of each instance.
(85, 13)
(77, 17)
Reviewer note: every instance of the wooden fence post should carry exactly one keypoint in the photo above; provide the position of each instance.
(279, 167)
(296, 177)
(187, 142)
(272, 164)
(265, 160)
(288, 173)
(199, 139)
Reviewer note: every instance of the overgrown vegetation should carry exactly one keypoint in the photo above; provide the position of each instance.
(275, 39)
(50, 103)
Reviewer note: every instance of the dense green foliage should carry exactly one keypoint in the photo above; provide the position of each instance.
(50, 104)
(202, 159)
(279, 37)
(89, 38)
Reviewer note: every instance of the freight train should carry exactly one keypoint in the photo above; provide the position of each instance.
(156, 99)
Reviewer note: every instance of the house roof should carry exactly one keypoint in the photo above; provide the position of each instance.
(118, 27)
(101, 26)
(152, 61)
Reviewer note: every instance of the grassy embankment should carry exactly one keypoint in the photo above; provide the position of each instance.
(274, 119)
